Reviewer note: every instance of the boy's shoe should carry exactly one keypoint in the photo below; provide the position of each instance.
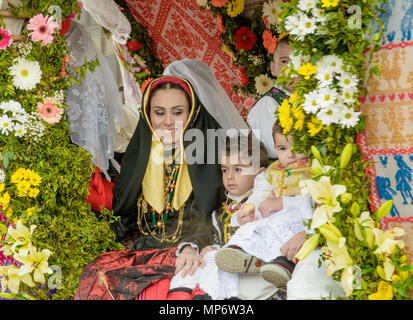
(233, 259)
(276, 274)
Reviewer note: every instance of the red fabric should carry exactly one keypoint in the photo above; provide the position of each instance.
(124, 274)
(180, 29)
(100, 191)
(157, 291)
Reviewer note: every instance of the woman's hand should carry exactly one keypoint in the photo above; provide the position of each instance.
(291, 247)
(270, 205)
(188, 261)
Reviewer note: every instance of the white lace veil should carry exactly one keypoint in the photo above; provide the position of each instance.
(209, 91)
(108, 15)
(95, 105)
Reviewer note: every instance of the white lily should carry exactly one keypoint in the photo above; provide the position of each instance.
(35, 261)
(386, 240)
(325, 195)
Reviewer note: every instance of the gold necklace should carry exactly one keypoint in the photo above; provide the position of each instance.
(159, 220)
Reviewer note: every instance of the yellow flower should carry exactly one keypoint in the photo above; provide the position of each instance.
(337, 256)
(299, 118)
(2, 187)
(330, 232)
(9, 212)
(307, 70)
(367, 224)
(30, 211)
(329, 3)
(308, 246)
(325, 195)
(347, 280)
(235, 8)
(346, 155)
(4, 200)
(12, 279)
(285, 118)
(33, 192)
(314, 126)
(34, 178)
(18, 175)
(23, 188)
(21, 235)
(35, 261)
(318, 169)
(228, 50)
(385, 240)
(384, 292)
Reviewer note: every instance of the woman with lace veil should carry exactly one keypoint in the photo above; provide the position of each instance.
(170, 182)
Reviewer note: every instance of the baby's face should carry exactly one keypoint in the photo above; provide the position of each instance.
(283, 147)
(237, 176)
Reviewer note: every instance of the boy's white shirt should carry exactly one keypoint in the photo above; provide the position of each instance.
(261, 120)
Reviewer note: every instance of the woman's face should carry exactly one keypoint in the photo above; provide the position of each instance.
(169, 112)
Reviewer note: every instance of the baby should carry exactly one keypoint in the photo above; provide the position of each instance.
(272, 215)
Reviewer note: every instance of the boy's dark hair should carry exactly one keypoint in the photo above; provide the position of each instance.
(276, 128)
(245, 144)
(285, 40)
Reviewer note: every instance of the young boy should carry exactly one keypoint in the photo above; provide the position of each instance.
(261, 116)
(272, 215)
(242, 159)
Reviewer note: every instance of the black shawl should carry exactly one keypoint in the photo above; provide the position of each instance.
(207, 187)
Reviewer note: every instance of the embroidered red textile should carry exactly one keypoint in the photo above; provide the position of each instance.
(180, 29)
(124, 274)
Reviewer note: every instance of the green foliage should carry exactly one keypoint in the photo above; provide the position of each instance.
(65, 223)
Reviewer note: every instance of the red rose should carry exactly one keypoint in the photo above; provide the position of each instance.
(245, 39)
(134, 45)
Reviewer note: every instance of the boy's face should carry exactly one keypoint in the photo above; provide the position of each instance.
(283, 147)
(237, 176)
(281, 59)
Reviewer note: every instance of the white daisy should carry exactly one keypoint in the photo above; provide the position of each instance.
(2, 174)
(26, 74)
(11, 106)
(19, 130)
(306, 26)
(271, 10)
(263, 83)
(347, 96)
(292, 23)
(347, 81)
(349, 118)
(6, 125)
(306, 5)
(325, 76)
(310, 104)
(326, 97)
(300, 25)
(329, 115)
(332, 62)
(319, 15)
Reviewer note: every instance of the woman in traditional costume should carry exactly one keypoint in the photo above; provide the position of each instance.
(169, 184)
